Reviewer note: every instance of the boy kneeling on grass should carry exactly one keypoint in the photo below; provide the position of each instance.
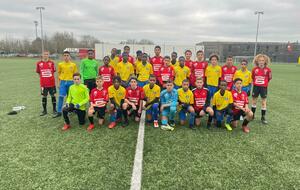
(77, 98)
(222, 102)
(98, 101)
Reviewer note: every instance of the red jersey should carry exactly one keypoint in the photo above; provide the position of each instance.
(99, 97)
(227, 75)
(156, 62)
(165, 73)
(261, 76)
(135, 95)
(241, 99)
(130, 59)
(201, 98)
(107, 74)
(189, 64)
(46, 71)
(198, 70)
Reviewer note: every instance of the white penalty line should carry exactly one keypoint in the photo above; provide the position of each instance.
(136, 178)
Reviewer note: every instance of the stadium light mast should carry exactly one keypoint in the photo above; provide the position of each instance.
(40, 9)
(258, 13)
(36, 30)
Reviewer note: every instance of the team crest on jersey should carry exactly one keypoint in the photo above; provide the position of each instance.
(265, 71)
(102, 69)
(256, 71)
(235, 95)
(95, 93)
(225, 68)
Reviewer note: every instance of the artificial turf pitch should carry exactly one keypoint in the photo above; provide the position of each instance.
(36, 154)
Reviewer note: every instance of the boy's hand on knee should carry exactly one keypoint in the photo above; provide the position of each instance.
(77, 106)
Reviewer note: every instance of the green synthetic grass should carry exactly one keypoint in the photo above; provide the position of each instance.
(35, 154)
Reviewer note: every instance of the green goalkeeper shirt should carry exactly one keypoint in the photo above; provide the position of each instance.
(78, 94)
(88, 69)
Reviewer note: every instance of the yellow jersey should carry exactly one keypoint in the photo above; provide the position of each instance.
(186, 97)
(114, 62)
(144, 71)
(246, 76)
(125, 70)
(175, 65)
(117, 94)
(181, 73)
(66, 70)
(151, 93)
(212, 74)
(220, 101)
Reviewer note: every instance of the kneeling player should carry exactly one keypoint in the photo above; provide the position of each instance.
(222, 102)
(133, 102)
(168, 100)
(240, 106)
(77, 98)
(98, 101)
(186, 101)
(152, 93)
(201, 102)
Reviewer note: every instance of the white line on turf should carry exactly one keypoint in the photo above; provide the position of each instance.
(136, 178)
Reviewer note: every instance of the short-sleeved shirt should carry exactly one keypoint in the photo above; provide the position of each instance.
(186, 97)
(135, 95)
(212, 74)
(144, 71)
(116, 94)
(151, 93)
(261, 76)
(240, 98)
(201, 98)
(246, 76)
(220, 101)
(181, 73)
(125, 70)
(46, 70)
(99, 97)
(66, 70)
(114, 62)
(107, 74)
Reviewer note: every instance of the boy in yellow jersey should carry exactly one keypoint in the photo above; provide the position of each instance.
(138, 60)
(152, 94)
(116, 94)
(186, 101)
(77, 99)
(114, 59)
(125, 70)
(182, 72)
(222, 102)
(143, 71)
(174, 62)
(213, 74)
(66, 69)
(245, 75)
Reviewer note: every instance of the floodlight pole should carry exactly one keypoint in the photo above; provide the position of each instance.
(36, 25)
(258, 13)
(41, 21)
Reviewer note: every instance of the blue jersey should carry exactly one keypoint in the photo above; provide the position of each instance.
(169, 97)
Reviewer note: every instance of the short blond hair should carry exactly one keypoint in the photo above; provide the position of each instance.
(99, 77)
(266, 58)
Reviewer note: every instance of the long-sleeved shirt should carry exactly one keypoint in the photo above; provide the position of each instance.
(88, 69)
(78, 94)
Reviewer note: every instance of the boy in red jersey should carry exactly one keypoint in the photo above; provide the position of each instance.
(228, 71)
(240, 106)
(201, 103)
(198, 68)
(166, 72)
(261, 76)
(98, 101)
(46, 69)
(107, 72)
(188, 62)
(156, 61)
(133, 101)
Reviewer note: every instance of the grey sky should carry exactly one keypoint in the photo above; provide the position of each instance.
(169, 21)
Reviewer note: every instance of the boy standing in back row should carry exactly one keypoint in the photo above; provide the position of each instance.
(213, 74)
(89, 70)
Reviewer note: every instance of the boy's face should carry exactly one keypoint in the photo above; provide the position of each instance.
(223, 85)
(127, 50)
(181, 62)
(214, 61)
(46, 55)
(99, 83)
(200, 56)
(157, 51)
(169, 87)
(76, 80)
(133, 83)
(166, 62)
(66, 57)
(199, 83)
(185, 86)
(261, 62)
(243, 65)
(144, 58)
(91, 55)
(116, 84)
(106, 61)
(152, 80)
(174, 56)
(114, 51)
(139, 56)
(229, 62)
(238, 85)
(188, 55)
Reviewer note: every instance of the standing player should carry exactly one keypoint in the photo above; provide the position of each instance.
(133, 101)
(156, 61)
(213, 74)
(245, 75)
(98, 101)
(116, 94)
(129, 57)
(89, 70)
(240, 106)
(202, 102)
(174, 61)
(188, 62)
(198, 68)
(261, 75)
(114, 59)
(77, 99)
(166, 72)
(186, 101)
(222, 102)
(125, 70)
(228, 71)
(66, 70)
(152, 93)
(169, 102)
(107, 72)
(46, 69)
(138, 61)
(143, 71)
(181, 72)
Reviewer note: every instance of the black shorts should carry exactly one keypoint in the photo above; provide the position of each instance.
(259, 90)
(134, 112)
(197, 112)
(100, 112)
(80, 113)
(237, 115)
(46, 90)
(90, 83)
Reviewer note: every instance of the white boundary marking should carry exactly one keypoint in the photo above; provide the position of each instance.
(136, 178)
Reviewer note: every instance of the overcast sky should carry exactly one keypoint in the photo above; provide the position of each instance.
(169, 21)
